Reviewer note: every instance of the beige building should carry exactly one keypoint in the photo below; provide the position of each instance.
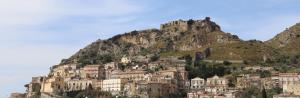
(93, 72)
(292, 88)
(65, 71)
(77, 84)
(216, 80)
(216, 85)
(52, 84)
(125, 60)
(97, 84)
(285, 78)
(135, 75)
(197, 83)
(114, 85)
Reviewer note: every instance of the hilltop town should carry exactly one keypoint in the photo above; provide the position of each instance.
(182, 59)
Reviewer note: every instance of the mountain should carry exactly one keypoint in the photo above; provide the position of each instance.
(287, 41)
(176, 38)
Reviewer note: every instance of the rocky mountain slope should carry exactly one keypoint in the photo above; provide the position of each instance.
(288, 41)
(175, 38)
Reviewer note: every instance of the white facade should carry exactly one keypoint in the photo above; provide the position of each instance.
(113, 85)
(197, 83)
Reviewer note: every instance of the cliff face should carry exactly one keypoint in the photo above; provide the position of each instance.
(175, 38)
(287, 41)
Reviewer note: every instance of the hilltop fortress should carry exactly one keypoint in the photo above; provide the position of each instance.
(190, 25)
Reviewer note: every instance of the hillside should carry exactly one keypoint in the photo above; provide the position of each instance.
(175, 38)
(287, 41)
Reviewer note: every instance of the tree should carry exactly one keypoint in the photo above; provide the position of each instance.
(227, 63)
(265, 73)
(264, 93)
(155, 57)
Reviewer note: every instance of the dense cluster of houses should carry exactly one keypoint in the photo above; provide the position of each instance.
(158, 79)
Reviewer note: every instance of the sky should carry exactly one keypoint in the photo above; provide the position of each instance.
(36, 34)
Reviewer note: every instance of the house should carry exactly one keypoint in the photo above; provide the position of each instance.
(216, 80)
(93, 72)
(114, 85)
(216, 85)
(285, 78)
(197, 83)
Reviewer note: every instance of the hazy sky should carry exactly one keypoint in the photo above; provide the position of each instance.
(36, 34)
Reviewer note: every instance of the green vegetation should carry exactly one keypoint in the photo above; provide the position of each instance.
(205, 70)
(254, 92)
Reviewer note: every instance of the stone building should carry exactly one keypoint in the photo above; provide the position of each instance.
(93, 72)
(151, 89)
(292, 88)
(114, 85)
(135, 75)
(216, 80)
(175, 26)
(52, 84)
(197, 83)
(65, 71)
(216, 85)
(285, 78)
(77, 84)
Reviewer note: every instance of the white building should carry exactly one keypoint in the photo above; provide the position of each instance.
(197, 83)
(114, 85)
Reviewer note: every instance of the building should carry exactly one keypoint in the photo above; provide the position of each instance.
(111, 65)
(216, 80)
(285, 78)
(17, 95)
(64, 71)
(34, 87)
(150, 89)
(201, 94)
(175, 26)
(197, 83)
(125, 60)
(292, 88)
(114, 85)
(216, 85)
(242, 82)
(217, 89)
(93, 72)
(135, 75)
(97, 84)
(52, 84)
(77, 84)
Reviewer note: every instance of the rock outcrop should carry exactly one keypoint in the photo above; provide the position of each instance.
(178, 37)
